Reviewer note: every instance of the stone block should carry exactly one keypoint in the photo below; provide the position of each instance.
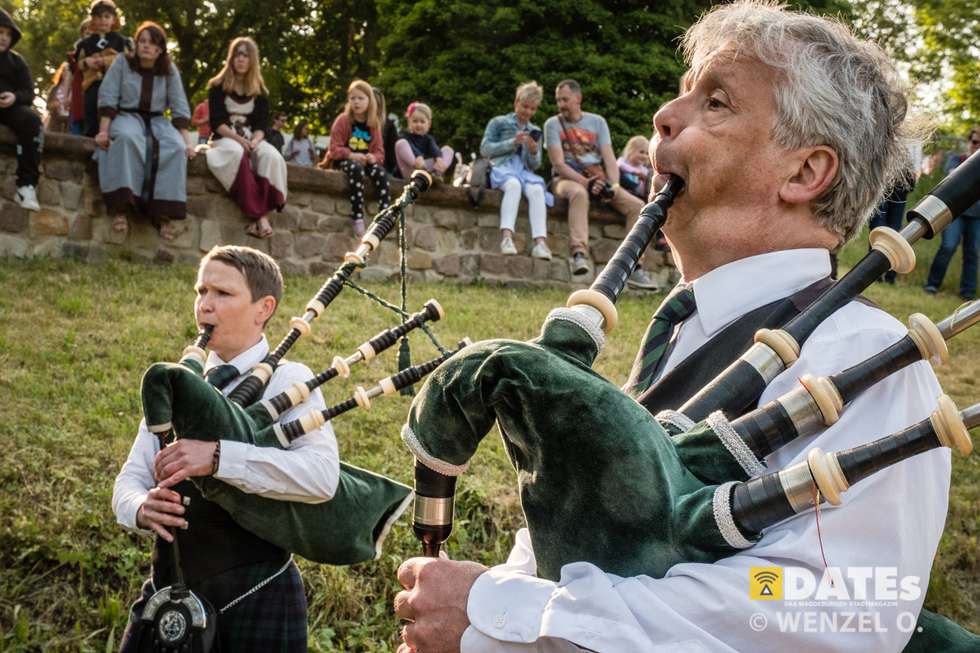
(48, 222)
(13, 246)
(469, 265)
(288, 219)
(62, 170)
(540, 269)
(376, 275)
(144, 235)
(337, 246)
(488, 220)
(164, 256)
(223, 209)
(418, 260)
(603, 250)
(388, 255)
(97, 253)
(427, 238)
(8, 188)
(80, 227)
(519, 267)
(321, 268)
(447, 265)
(489, 240)
(615, 231)
(559, 269)
(210, 234)
(470, 239)
(48, 193)
(334, 224)
(212, 185)
(300, 199)
(308, 221)
(196, 185)
(323, 205)
(75, 251)
(185, 233)
(448, 241)
(294, 267)
(595, 231)
(281, 244)
(431, 276)
(342, 207)
(446, 218)
(71, 195)
(200, 205)
(13, 219)
(309, 245)
(49, 247)
(467, 219)
(495, 264)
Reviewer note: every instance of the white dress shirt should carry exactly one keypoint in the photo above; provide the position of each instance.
(307, 472)
(893, 519)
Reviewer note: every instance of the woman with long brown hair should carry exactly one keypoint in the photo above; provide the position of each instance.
(143, 155)
(250, 169)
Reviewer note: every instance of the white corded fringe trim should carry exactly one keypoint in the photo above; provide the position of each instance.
(735, 445)
(581, 321)
(722, 507)
(402, 507)
(678, 420)
(436, 465)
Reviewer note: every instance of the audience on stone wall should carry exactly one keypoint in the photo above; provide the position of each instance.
(16, 98)
(300, 149)
(416, 148)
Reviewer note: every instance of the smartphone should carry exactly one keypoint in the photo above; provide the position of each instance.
(536, 134)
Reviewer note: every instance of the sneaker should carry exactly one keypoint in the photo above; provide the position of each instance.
(27, 198)
(540, 250)
(579, 264)
(932, 290)
(359, 228)
(507, 246)
(641, 279)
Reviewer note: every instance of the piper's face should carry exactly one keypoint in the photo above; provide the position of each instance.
(717, 136)
(102, 22)
(6, 36)
(224, 301)
(418, 123)
(242, 61)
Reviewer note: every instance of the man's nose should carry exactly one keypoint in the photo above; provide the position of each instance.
(668, 120)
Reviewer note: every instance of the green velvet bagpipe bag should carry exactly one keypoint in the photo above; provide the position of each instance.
(348, 528)
(580, 446)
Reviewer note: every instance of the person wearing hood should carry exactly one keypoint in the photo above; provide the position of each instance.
(16, 97)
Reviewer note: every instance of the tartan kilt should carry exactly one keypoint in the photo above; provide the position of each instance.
(273, 619)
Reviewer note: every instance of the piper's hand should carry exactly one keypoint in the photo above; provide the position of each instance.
(161, 510)
(433, 604)
(183, 459)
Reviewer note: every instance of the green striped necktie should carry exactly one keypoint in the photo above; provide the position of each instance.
(677, 307)
(221, 375)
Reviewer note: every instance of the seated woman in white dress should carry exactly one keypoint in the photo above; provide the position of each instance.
(143, 155)
(252, 171)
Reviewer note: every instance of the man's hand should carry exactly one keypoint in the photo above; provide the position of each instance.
(159, 511)
(6, 99)
(434, 603)
(183, 459)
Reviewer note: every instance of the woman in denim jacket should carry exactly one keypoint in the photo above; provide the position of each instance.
(513, 145)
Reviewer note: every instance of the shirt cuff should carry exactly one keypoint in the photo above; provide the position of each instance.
(126, 517)
(233, 460)
(508, 606)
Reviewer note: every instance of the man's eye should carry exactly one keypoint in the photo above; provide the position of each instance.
(715, 103)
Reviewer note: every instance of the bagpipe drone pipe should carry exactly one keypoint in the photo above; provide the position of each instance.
(600, 479)
(351, 526)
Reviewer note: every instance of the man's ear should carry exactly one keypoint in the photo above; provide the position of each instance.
(814, 171)
(267, 306)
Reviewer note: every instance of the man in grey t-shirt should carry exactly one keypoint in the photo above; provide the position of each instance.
(582, 159)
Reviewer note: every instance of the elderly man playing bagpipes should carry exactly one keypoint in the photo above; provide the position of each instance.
(786, 134)
(253, 584)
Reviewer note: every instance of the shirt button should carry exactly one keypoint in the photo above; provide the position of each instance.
(499, 621)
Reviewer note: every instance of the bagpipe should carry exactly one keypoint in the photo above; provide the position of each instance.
(351, 526)
(602, 480)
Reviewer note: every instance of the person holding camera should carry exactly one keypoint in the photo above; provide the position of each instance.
(512, 143)
(584, 167)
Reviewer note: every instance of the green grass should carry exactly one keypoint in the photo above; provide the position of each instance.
(75, 339)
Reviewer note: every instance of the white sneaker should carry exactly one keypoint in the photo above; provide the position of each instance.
(641, 279)
(27, 198)
(540, 250)
(507, 246)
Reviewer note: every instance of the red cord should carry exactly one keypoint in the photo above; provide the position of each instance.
(816, 503)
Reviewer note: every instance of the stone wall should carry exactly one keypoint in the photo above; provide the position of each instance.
(447, 237)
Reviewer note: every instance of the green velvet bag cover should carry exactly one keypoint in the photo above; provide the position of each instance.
(934, 632)
(348, 528)
(599, 478)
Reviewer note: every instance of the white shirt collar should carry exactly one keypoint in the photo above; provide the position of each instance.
(244, 361)
(736, 288)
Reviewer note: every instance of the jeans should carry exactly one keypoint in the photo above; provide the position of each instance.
(967, 228)
(889, 214)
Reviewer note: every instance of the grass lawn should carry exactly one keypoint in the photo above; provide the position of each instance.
(75, 339)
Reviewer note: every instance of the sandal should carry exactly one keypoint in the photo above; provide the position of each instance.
(120, 224)
(260, 228)
(168, 231)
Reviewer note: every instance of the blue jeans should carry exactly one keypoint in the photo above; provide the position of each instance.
(968, 229)
(889, 214)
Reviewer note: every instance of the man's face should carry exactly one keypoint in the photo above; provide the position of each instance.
(223, 300)
(569, 103)
(6, 36)
(716, 136)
